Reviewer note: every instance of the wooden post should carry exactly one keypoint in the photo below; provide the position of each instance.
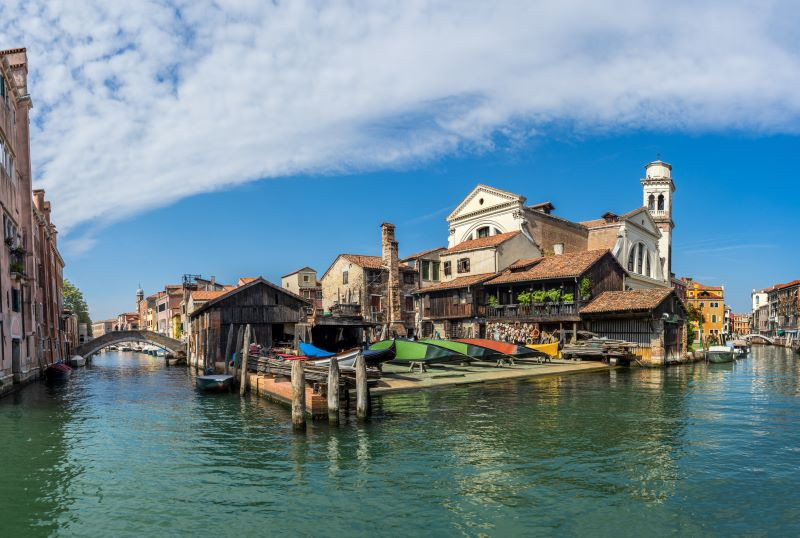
(298, 395)
(238, 349)
(228, 346)
(333, 391)
(362, 391)
(245, 357)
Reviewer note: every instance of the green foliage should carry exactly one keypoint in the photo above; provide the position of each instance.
(568, 297)
(17, 267)
(493, 302)
(695, 315)
(538, 296)
(553, 295)
(524, 298)
(690, 334)
(585, 287)
(73, 299)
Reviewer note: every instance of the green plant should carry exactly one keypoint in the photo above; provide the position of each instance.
(585, 287)
(17, 267)
(524, 298)
(538, 296)
(553, 295)
(568, 297)
(493, 302)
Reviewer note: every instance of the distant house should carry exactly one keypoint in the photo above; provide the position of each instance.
(271, 311)
(428, 266)
(303, 282)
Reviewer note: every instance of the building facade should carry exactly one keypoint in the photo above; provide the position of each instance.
(303, 282)
(99, 328)
(784, 309)
(710, 301)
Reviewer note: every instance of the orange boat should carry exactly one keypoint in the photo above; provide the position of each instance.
(501, 347)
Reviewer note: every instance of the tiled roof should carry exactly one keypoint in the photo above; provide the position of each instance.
(371, 262)
(562, 266)
(524, 262)
(243, 280)
(482, 242)
(694, 285)
(626, 301)
(460, 282)
(786, 285)
(203, 295)
(597, 223)
(306, 268)
(423, 253)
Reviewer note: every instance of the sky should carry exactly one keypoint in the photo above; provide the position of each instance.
(237, 138)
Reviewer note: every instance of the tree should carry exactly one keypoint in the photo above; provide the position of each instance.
(693, 316)
(73, 299)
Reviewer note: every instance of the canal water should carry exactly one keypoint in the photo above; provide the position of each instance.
(128, 448)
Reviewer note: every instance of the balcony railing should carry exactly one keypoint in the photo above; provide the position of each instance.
(533, 311)
(449, 310)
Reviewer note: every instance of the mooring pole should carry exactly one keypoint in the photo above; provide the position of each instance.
(362, 391)
(298, 395)
(333, 391)
(245, 358)
(238, 349)
(228, 346)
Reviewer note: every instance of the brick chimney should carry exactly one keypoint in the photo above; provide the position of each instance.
(390, 260)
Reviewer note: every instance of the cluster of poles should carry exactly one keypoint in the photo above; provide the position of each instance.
(299, 381)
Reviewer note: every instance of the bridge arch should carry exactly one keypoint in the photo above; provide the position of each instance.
(754, 336)
(87, 349)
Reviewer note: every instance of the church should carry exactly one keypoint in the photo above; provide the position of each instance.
(640, 239)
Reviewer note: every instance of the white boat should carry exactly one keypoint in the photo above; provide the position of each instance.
(77, 361)
(719, 354)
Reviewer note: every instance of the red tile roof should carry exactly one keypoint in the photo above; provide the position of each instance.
(203, 295)
(423, 253)
(306, 268)
(482, 242)
(627, 301)
(460, 282)
(371, 262)
(786, 285)
(562, 266)
(524, 262)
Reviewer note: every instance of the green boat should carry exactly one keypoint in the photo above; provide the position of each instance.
(472, 351)
(719, 354)
(411, 351)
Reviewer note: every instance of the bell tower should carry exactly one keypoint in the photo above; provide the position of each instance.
(657, 189)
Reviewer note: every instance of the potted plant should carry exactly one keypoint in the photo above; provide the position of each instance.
(585, 288)
(492, 301)
(17, 269)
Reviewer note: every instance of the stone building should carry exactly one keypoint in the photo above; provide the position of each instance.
(99, 328)
(428, 266)
(303, 282)
(741, 324)
(784, 309)
(364, 297)
(640, 239)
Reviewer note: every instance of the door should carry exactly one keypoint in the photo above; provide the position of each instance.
(15, 365)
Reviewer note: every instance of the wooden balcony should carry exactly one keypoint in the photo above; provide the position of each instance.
(439, 310)
(535, 312)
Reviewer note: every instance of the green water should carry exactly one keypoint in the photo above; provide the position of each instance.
(129, 448)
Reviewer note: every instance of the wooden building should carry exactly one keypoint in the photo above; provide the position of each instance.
(272, 313)
(654, 319)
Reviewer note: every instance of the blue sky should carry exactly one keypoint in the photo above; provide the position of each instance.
(170, 135)
(736, 213)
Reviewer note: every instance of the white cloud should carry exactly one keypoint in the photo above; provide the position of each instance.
(139, 104)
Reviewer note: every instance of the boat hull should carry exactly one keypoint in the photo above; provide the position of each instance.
(501, 347)
(57, 373)
(214, 383)
(410, 351)
(719, 356)
(548, 349)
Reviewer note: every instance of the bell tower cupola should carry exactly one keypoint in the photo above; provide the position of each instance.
(658, 189)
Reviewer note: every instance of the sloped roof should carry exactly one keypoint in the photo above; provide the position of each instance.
(306, 268)
(786, 285)
(460, 282)
(423, 253)
(207, 295)
(524, 262)
(227, 293)
(482, 242)
(627, 301)
(563, 266)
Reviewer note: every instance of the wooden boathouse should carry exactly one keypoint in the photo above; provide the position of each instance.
(272, 312)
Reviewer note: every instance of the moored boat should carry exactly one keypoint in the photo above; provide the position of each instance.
(77, 361)
(471, 351)
(410, 351)
(550, 349)
(310, 350)
(501, 347)
(214, 382)
(374, 358)
(57, 372)
(718, 354)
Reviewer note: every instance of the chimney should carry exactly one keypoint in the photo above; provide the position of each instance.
(558, 249)
(213, 281)
(390, 260)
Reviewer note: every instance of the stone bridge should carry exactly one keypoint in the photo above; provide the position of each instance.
(87, 349)
(754, 336)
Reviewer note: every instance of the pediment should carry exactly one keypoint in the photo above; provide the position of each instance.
(641, 217)
(483, 199)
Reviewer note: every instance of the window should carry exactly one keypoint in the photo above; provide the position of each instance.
(463, 265)
(435, 271)
(319, 294)
(640, 259)
(713, 318)
(426, 270)
(631, 258)
(448, 268)
(483, 232)
(15, 302)
(651, 202)
(162, 307)
(409, 304)
(344, 277)
(661, 202)
(305, 278)
(408, 277)
(701, 305)
(647, 266)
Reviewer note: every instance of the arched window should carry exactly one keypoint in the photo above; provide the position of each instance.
(651, 202)
(661, 202)
(647, 266)
(483, 232)
(631, 258)
(640, 259)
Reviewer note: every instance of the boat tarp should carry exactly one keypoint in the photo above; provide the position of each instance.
(501, 347)
(310, 350)
(463, 348)
(409, 350)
